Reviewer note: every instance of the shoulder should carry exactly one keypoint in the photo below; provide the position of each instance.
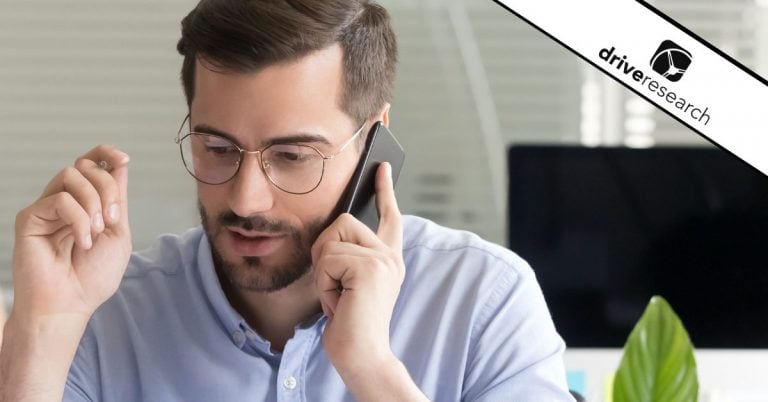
(428, 243)
(482, 301)
(450, 265)
(169, 254)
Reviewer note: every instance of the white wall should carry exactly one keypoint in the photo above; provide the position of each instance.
(78, 73)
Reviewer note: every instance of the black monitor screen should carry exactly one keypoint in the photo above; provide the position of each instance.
(606, 228)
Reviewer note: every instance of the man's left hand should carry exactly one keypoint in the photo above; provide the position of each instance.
(358, 274)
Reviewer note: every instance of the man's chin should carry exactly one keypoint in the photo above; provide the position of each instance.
(270, 263)
(259, 273)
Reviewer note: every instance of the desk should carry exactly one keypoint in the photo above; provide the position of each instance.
(725, 375)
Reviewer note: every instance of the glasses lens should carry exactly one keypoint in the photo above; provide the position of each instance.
(293, 168)
(210, 158)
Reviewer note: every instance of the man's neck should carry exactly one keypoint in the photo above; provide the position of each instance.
(274, 315)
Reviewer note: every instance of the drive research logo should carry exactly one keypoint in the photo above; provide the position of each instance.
(671, 60)
(668, 60)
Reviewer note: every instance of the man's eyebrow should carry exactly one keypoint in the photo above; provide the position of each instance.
(288, 139)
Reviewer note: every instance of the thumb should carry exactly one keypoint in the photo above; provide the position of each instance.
(390, 229)
(121, 177)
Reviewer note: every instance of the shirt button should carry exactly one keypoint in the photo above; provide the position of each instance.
(238, 337)
(289, 383)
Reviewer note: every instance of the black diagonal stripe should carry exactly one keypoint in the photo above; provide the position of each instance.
(677, 25)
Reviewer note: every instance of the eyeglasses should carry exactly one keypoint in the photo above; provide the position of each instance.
(293, 168)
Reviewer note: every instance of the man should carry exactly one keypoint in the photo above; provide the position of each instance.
(274, 297)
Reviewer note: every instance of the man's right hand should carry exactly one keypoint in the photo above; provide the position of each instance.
(73, 243)
(72, 248)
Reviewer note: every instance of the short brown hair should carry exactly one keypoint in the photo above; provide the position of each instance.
(243, 36)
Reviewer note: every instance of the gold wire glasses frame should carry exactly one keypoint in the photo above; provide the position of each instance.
(235, 165)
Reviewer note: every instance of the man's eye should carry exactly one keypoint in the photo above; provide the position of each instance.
(226, 150)
(291, 156)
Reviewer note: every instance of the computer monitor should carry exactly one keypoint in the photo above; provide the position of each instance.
(606, 228)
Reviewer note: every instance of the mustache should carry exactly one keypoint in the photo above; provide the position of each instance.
(256, 222)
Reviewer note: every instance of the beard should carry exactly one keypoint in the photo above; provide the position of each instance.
(253, 273)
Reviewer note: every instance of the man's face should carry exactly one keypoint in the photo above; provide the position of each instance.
(260, 235)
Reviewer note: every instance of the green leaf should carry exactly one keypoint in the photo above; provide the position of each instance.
(658, 363)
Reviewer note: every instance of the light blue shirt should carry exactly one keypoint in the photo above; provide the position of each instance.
(470, 324)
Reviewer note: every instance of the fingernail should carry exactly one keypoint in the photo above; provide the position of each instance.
(114, 212)
(87, 241)
(98, 221)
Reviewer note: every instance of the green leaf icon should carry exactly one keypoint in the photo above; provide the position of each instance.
(658, 363)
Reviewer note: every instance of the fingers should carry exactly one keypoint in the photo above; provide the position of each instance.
(88, 198)
(51, 214)
(390, 229)
(346, 229)
(113, 161)
(89, 190)
(338, 257)
(113, 157)
(106, 187)
(98, 181)
(345, 267)
(329, 292)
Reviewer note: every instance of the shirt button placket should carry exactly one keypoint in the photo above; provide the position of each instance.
(290, 383)
(290, 387)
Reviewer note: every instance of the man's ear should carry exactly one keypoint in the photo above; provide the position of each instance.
(383, 116)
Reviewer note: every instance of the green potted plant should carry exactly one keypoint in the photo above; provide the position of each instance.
(658, 363)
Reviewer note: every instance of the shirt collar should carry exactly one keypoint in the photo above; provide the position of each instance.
(232, 322)
(235, 326)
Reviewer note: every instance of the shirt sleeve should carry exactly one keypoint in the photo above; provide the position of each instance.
(82, 382)
(516, 354)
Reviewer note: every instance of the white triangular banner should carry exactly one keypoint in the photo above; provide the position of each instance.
(664, 63)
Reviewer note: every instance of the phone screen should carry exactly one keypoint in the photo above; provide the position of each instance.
(359, 197)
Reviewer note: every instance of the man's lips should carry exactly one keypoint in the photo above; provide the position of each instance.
(253, 233)
(252, 243)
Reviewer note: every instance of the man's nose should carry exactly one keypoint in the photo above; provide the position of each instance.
(252, 192)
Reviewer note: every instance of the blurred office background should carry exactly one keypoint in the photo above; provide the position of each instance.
(472, 80)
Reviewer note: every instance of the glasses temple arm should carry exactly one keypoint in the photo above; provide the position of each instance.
(346, 144)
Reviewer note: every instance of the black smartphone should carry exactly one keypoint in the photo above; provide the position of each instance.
(359, 198)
